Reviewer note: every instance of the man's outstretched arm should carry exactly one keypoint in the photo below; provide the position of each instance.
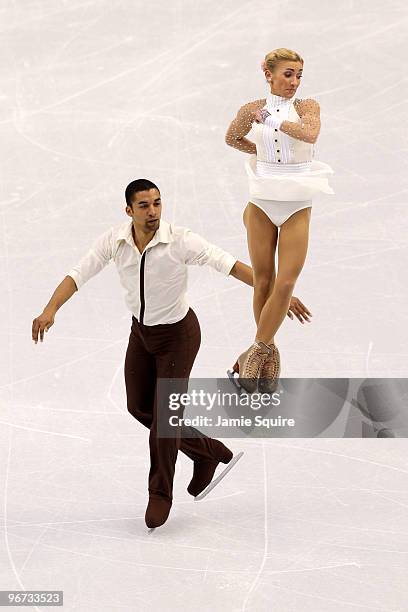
(98, 256)
(245, 274)
(200, 252)
(62, 293)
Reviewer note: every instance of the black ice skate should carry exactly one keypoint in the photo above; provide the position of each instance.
(216, 481)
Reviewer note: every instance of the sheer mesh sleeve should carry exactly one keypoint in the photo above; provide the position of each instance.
(308, 130)
(241, 125)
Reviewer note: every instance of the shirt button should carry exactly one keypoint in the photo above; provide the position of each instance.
(278, 160)
(277, 110)
(276, 130)
(276, 140)
(278, 150)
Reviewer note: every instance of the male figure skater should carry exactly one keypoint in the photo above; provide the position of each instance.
(151, 257)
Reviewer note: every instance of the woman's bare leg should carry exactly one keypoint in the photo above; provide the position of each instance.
(292, 250)
(262, 236)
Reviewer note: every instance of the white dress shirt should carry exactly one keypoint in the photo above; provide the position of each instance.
(155, 280)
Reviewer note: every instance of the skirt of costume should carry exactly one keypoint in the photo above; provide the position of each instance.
(288, 182)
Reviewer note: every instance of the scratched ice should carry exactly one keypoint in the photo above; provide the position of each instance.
(95, 94)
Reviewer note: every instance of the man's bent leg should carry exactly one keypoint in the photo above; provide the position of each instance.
(140, 378)
(176, 351)
(174, 359)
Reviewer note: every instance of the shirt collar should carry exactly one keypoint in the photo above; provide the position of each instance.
(273, 100)
(163, 234)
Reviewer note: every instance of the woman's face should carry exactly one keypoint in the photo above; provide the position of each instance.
(285, 79)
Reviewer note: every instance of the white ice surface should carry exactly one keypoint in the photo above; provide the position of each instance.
(94, 94)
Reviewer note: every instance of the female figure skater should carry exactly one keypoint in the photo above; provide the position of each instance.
(283, 177)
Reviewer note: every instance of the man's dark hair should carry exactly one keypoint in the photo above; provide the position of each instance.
(138, 185)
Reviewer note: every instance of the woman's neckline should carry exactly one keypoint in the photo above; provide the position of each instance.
(275, 100)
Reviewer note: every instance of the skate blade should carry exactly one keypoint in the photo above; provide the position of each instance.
(235, 381)
(214, 482)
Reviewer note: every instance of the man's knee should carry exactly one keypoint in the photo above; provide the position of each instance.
(145, 418)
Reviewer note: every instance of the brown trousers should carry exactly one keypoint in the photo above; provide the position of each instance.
(163, 351)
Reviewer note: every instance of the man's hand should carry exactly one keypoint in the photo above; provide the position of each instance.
(41, 323)
(299, 310)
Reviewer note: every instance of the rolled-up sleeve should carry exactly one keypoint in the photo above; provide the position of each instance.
(98, 256)
(198, 251)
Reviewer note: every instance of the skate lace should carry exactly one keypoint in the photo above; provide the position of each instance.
(255, 361)
(271, 367)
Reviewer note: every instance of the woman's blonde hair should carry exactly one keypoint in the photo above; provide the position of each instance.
(274, 57)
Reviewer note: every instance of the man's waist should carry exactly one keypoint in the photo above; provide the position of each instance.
(163, 322)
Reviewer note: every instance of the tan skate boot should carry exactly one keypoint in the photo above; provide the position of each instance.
(269, 375)
(250, 364)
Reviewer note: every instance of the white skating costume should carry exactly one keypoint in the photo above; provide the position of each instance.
(282, 174)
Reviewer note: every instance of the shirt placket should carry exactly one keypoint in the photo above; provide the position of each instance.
(142, 276)
(142, 287)
(142, 282)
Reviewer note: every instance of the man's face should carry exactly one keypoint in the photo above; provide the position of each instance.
(145, 210)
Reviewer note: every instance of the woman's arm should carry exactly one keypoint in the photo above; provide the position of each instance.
(240, 126)
(308, 130)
